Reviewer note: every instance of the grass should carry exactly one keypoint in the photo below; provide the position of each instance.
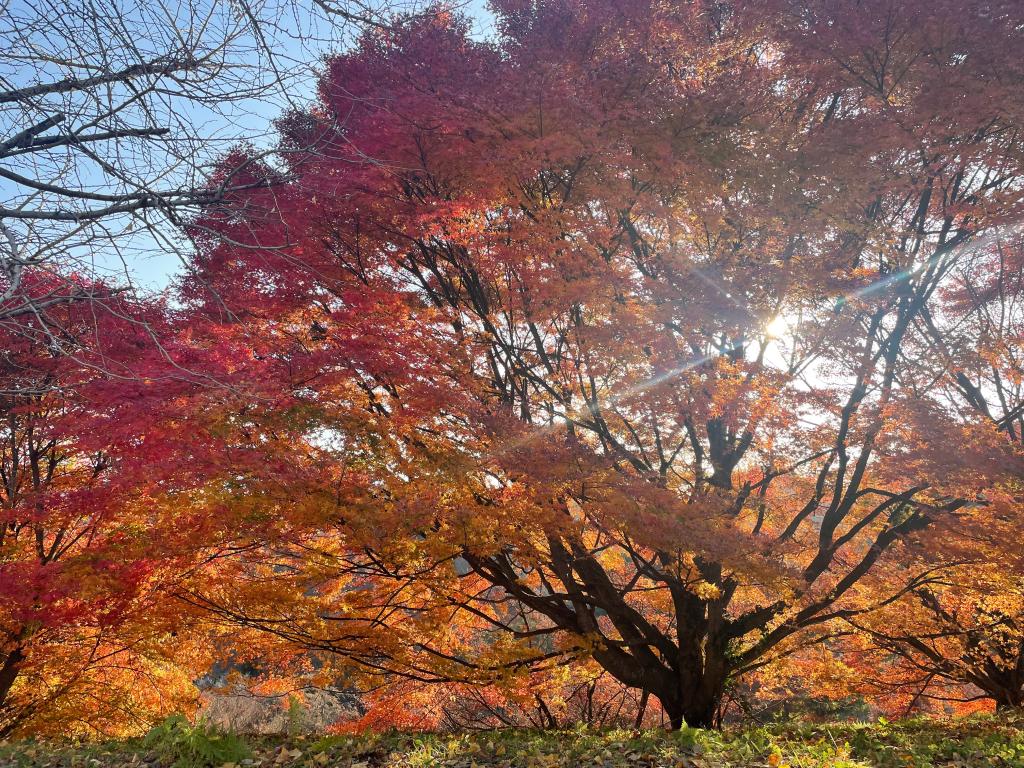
(975, 742)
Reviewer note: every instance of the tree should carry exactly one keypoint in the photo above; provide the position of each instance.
(957, 642)
(604, 337)
(89, 545)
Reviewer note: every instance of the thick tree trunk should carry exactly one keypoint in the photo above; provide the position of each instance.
(1005, 686)
(690, 693)
(692, 714)
(686, 670)
(694, 703)
(696, 710)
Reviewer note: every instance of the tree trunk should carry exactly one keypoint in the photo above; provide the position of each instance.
(1008, 699)
(9, 672)
(694, 712)
(1004, 686)
(694, 704)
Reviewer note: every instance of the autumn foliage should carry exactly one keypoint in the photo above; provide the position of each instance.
(84, 628)
(607, 370)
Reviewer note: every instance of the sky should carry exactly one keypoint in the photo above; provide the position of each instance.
(154, 267)
(76, 38)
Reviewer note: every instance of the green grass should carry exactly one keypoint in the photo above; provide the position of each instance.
(974, 742)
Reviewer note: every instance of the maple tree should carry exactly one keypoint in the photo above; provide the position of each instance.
(89, 544)
(605, 338)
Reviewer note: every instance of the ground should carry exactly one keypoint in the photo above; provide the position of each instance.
(974, 742)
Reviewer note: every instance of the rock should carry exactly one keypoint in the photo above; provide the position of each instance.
(241, 711)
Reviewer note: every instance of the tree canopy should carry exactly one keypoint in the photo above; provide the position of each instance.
(639, 333)
(629, 353)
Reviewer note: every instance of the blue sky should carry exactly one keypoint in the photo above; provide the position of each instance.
(67, 35)
(153, 267)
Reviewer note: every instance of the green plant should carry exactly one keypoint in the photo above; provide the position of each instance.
(296, 715)
(183, 745)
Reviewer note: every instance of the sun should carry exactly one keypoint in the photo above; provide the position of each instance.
(777, 327)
